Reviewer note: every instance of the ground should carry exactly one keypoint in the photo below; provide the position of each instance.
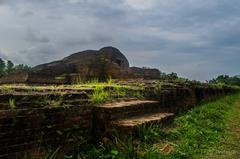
(229, 145)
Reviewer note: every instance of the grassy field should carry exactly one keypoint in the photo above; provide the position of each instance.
(229, 145)
(210, 130)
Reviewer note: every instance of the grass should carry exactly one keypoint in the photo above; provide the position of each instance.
(108, 91)
(99, 95)
(12, 103)
(199, 129)
(229, 144)
(103, 94)
(53, 102)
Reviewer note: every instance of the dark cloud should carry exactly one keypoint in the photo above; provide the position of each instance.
(197, 39)
(40, 53)
(36, 37)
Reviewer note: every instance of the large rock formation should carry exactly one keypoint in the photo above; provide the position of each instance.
(84, 65)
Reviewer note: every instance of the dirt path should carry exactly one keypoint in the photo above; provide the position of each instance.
(229, 146)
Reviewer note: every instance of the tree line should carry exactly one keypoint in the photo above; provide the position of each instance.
(221, 79)
(226, 79)
(7, 67)
(170, 76)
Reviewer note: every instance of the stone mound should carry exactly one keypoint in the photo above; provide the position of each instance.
(101, 64)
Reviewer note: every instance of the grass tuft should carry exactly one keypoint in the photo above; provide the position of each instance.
(99, 95)
(12, 103)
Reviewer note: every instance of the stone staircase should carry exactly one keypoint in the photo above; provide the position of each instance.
(128, 115)
(132, 122)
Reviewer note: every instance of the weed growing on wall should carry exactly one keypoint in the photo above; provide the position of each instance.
(120, 91)
(48, 101)
(12, 103)
(104, 92)
(99, 95)
(7, 89)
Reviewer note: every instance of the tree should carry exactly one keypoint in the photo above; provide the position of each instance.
(10, 67)
(2, 66)
(163, 75)
(225, 79)
(173, 76)
(21, 67)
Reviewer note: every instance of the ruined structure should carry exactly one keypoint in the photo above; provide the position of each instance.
(84, 65)
(35, 125)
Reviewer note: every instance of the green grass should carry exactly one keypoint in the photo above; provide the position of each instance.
(100, 95)
(12, 103)
(229, 145)
(107, 91)
(47, 101)
(199, 129)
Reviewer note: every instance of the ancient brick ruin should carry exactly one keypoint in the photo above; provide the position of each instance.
(33, 123)
(102, 64)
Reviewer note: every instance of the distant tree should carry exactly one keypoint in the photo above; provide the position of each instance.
(10, 67)
(2, 66)
(173, 76)
(163, 75)
(21, 67)
(225, 79)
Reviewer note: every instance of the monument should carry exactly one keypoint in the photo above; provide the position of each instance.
(98, 64)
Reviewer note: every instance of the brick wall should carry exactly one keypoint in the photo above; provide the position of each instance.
(23, 130)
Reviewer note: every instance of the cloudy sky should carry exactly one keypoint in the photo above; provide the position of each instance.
(195, 38)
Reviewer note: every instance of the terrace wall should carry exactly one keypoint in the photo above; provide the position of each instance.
(23, 130)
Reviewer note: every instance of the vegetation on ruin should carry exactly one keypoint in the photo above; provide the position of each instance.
(108, 91)
(99, 95)
(59, 101)
(100, 92)
(192, 135)
(12, 103)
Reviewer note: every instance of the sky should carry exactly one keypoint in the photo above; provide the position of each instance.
(196, 39)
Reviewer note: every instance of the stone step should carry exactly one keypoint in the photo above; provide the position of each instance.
(42, 104)
(43, 89)
(125, 109)
(133, 122)
(41, 97)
